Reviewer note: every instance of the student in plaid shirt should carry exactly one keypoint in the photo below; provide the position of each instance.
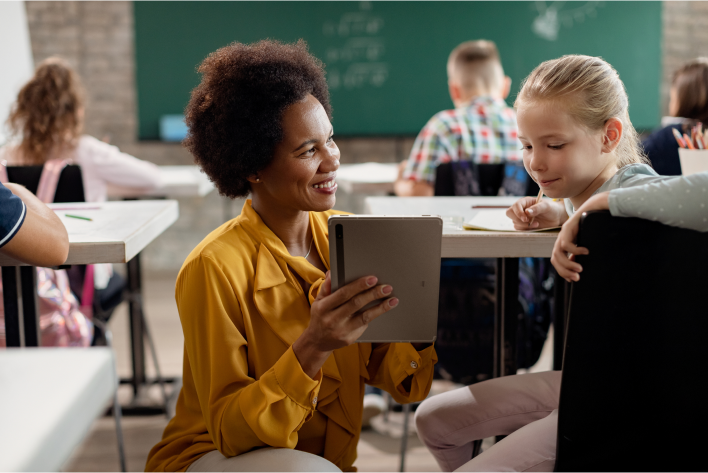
(481, 128)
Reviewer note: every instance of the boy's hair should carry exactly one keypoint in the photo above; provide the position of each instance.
(46, 113)
(691, 84)
(592, 92)
(476, 65)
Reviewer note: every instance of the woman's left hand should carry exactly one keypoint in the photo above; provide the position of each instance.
(565, 250)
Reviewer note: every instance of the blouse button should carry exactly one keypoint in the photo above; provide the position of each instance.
(314, 401)
(414, 365)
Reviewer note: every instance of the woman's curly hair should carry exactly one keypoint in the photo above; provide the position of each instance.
(46, 114)
(234, 115)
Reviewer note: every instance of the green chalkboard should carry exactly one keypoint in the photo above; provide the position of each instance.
(386, 60)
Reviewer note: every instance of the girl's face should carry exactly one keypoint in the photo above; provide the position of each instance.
(302, 173)
(565, 159)
(673, 102)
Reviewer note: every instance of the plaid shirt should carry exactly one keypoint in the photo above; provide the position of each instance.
(484, 131)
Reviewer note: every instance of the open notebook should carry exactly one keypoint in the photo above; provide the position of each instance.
(496, 221)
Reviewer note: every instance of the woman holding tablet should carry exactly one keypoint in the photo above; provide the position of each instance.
(270, 358)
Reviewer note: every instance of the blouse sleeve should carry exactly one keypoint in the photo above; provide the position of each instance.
(679, 201)
(118, 168)
(241, 413)
(391, 363)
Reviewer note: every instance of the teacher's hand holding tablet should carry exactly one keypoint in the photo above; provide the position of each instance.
(337, 319)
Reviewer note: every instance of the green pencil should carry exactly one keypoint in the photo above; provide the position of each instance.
(79, 217)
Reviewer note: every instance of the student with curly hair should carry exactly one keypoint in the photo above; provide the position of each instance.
(273, 380)
(46, 122)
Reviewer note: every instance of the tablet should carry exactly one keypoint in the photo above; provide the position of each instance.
(401, 251)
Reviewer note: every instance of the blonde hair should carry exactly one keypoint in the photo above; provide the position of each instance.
(476, 65)
(46, 114)
(592, 93)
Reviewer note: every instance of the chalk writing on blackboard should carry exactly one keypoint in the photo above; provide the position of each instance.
(355, 57)
(553, 15)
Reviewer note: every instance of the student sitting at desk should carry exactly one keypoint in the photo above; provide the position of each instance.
(578, 141)
(481, 128)
(30, 232)
(273, 380)
(46, 122)
(688, 105)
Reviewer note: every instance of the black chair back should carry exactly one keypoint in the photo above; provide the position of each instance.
(70, 187)
(463, 178)
(633, 393)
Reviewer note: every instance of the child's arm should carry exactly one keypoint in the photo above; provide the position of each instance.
(565, 249)
(545, 214)
(680, 202)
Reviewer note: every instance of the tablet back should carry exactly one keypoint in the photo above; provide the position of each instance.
(401, 251)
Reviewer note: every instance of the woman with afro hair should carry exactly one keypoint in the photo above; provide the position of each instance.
(273, 378)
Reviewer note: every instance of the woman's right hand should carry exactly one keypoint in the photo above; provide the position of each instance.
(545, 214)
(337, 319)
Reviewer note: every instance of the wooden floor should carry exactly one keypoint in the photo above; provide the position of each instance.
(378, 449)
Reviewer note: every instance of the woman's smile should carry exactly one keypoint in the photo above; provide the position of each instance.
(328, 186)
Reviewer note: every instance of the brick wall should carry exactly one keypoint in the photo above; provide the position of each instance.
(685, 37)
(97, 39)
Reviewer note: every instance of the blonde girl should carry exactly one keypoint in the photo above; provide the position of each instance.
(578, 140)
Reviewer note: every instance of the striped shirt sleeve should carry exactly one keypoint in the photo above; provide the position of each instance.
(12, 215)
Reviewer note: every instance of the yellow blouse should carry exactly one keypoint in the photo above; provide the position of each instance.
(241, 309)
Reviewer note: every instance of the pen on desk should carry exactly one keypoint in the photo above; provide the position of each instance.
(538, 199)
(490, 206)
(79, 217)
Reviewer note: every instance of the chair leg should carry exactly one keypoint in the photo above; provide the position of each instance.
(404, 438)
(389, 405)
(476, 448)
(117, 411)
(153, 352)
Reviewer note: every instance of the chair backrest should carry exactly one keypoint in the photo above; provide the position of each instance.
(633, 393)
(466, 178)
(70, 187)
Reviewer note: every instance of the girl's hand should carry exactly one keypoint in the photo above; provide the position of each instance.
(565, 250)
(337, 319)
(545, 214)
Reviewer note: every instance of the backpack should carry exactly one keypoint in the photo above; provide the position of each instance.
(62, 322)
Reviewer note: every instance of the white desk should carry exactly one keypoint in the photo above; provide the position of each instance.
(177, 181)
(367, 178)
(459, 243)
(49, 398)
(118, 232)
(504, 246)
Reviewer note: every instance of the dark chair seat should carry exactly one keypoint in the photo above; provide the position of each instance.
(633, 393)
(70, 187)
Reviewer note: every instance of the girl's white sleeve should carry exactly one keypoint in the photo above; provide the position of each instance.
(112, 166)
(679, 202)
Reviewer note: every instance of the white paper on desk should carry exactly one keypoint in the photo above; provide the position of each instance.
(496, 221)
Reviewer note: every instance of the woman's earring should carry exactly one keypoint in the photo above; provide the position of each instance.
(258, 179)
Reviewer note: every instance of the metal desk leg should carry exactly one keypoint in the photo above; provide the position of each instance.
(30, 306)
(11, 300)
(506, 317)
(137, 333)
(561, 300)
